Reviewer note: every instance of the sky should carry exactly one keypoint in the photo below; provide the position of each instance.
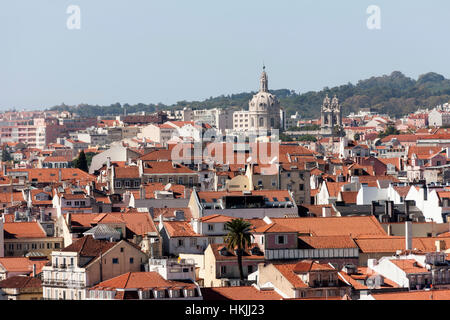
(164, 51)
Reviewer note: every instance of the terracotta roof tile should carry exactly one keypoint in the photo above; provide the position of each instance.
(18, 230)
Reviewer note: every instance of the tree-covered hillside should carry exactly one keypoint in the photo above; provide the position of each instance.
(394, 94)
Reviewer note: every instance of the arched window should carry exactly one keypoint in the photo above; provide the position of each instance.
(272, 122)
(261, 122)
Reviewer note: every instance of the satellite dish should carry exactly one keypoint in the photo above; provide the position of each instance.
(273, 160)
(167, 187)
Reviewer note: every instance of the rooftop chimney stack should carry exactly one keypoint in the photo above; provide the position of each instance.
(372, 211)
(408, 235)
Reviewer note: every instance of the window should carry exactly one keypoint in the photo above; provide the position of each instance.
(249, 269)
(77, 203)
(161, 180)
(223, 269)
(137, 183)
(69, 203)
(121, 249)
(281, 239)
(180, 242)
(131, 260)
(115, 260)
(210, 227)
(170, 180)
(57, 245)
(127, 183)
(150, 180)
(275, 199)
(118, 184)
(301, 187)
(180, 180)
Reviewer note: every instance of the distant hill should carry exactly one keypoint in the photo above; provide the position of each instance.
(393, 94)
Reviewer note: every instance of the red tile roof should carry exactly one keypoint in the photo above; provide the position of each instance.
(141, 280)
(126, 173)
(180, 229)
(409, 265)
(21, 282)
(89, 247)
(239, 293)
(22, 264)
(334, 226)
(414, 295)
(18, 230)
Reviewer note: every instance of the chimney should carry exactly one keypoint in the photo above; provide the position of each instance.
(372, 211)
(59, 175)
(151, 211)
(34, 270)
(142, 193)
(440, 245)
(425, 192)
(108, 162)
(407, 208)
(386, 208)
(179, 215)
(408, 235)
(389, 230)
(326, 212)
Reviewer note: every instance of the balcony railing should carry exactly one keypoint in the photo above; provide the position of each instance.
(319, 284)
(64, 283)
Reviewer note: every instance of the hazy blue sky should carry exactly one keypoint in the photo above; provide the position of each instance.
(132, 51)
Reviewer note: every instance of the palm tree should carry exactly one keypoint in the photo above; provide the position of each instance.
(238, 238)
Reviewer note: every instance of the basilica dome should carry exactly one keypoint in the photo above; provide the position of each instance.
(263, 100)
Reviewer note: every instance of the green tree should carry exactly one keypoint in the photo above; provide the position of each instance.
(238, 238)
(390, 130)
(307, 137)
(81, 162)
(6, 156)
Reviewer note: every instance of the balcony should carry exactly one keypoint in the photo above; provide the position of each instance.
(321, 284)
(63, 283)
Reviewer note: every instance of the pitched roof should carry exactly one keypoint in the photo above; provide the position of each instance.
(349, 196)
(126, 172)
(165, 167)
(231, 255)
(216, 218)
(414, 295)
(89, 247)
(21, 282)
(409, 265)
(180, 229)
(390, 244)
(136, 223)
(327, 242)
(208, 196)
(140, 280)
(17, 230)
(287, 270)
(21, 264)
(274, 228)
(334, 226)
(239, 293)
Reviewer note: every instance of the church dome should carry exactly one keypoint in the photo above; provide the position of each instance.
(263, 100)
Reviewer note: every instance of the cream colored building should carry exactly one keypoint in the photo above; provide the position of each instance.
(86, 263)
